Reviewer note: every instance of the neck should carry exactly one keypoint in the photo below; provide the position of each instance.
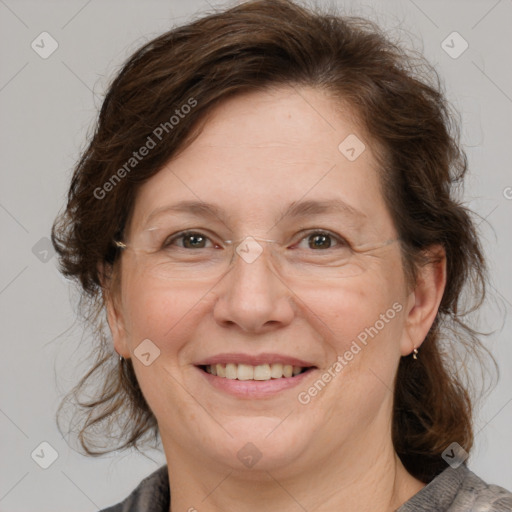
(377, 481)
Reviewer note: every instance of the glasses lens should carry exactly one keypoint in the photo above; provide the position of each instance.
(195, 255)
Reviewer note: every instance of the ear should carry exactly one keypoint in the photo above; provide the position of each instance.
(114, 310)
(423, 301)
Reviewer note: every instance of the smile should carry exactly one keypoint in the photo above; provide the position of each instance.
(259, 372)
(251, 376)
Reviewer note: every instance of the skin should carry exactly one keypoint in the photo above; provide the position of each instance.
(334, 453)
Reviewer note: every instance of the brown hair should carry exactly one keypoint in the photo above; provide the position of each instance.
(398, 100)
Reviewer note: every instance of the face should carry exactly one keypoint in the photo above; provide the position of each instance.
(258, 155)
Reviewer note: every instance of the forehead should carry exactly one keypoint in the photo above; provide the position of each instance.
(261, 152)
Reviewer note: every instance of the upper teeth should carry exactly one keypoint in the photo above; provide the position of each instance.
(249, 372)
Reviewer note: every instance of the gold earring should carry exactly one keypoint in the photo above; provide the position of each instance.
(415, 353)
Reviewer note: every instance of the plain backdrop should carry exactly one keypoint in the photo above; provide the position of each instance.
(48, 106)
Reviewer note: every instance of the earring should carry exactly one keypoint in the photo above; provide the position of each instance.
(415, 353)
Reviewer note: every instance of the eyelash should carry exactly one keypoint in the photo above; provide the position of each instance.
(340, 241)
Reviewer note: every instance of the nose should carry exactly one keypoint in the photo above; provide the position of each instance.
(253, 297)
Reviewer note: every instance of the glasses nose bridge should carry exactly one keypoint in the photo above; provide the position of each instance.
(250, 248)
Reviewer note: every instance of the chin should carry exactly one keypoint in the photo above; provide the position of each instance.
(260, 444)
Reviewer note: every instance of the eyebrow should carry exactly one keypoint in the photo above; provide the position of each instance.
(310, 207)
(197, 208)
(295, 209)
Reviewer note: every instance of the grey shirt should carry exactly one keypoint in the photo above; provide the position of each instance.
(454, 490)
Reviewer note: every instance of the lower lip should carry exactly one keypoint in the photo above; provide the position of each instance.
(255, 388)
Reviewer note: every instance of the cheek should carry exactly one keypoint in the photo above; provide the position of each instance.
(353, 305)
(365, 324)
(168, 315)
(164, 312)
(363, 318)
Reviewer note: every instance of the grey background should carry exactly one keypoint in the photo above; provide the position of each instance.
(47, 107)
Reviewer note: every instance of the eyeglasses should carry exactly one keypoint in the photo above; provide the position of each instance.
(199, 257)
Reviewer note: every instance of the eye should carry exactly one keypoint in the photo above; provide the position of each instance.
(188, 239)
(323, 240)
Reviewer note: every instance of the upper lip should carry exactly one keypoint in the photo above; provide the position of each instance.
(254, 360)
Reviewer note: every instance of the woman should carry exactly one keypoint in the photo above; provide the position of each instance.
(266, 213)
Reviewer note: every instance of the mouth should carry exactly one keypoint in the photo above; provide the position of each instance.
(260, 372)
(247, 376)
